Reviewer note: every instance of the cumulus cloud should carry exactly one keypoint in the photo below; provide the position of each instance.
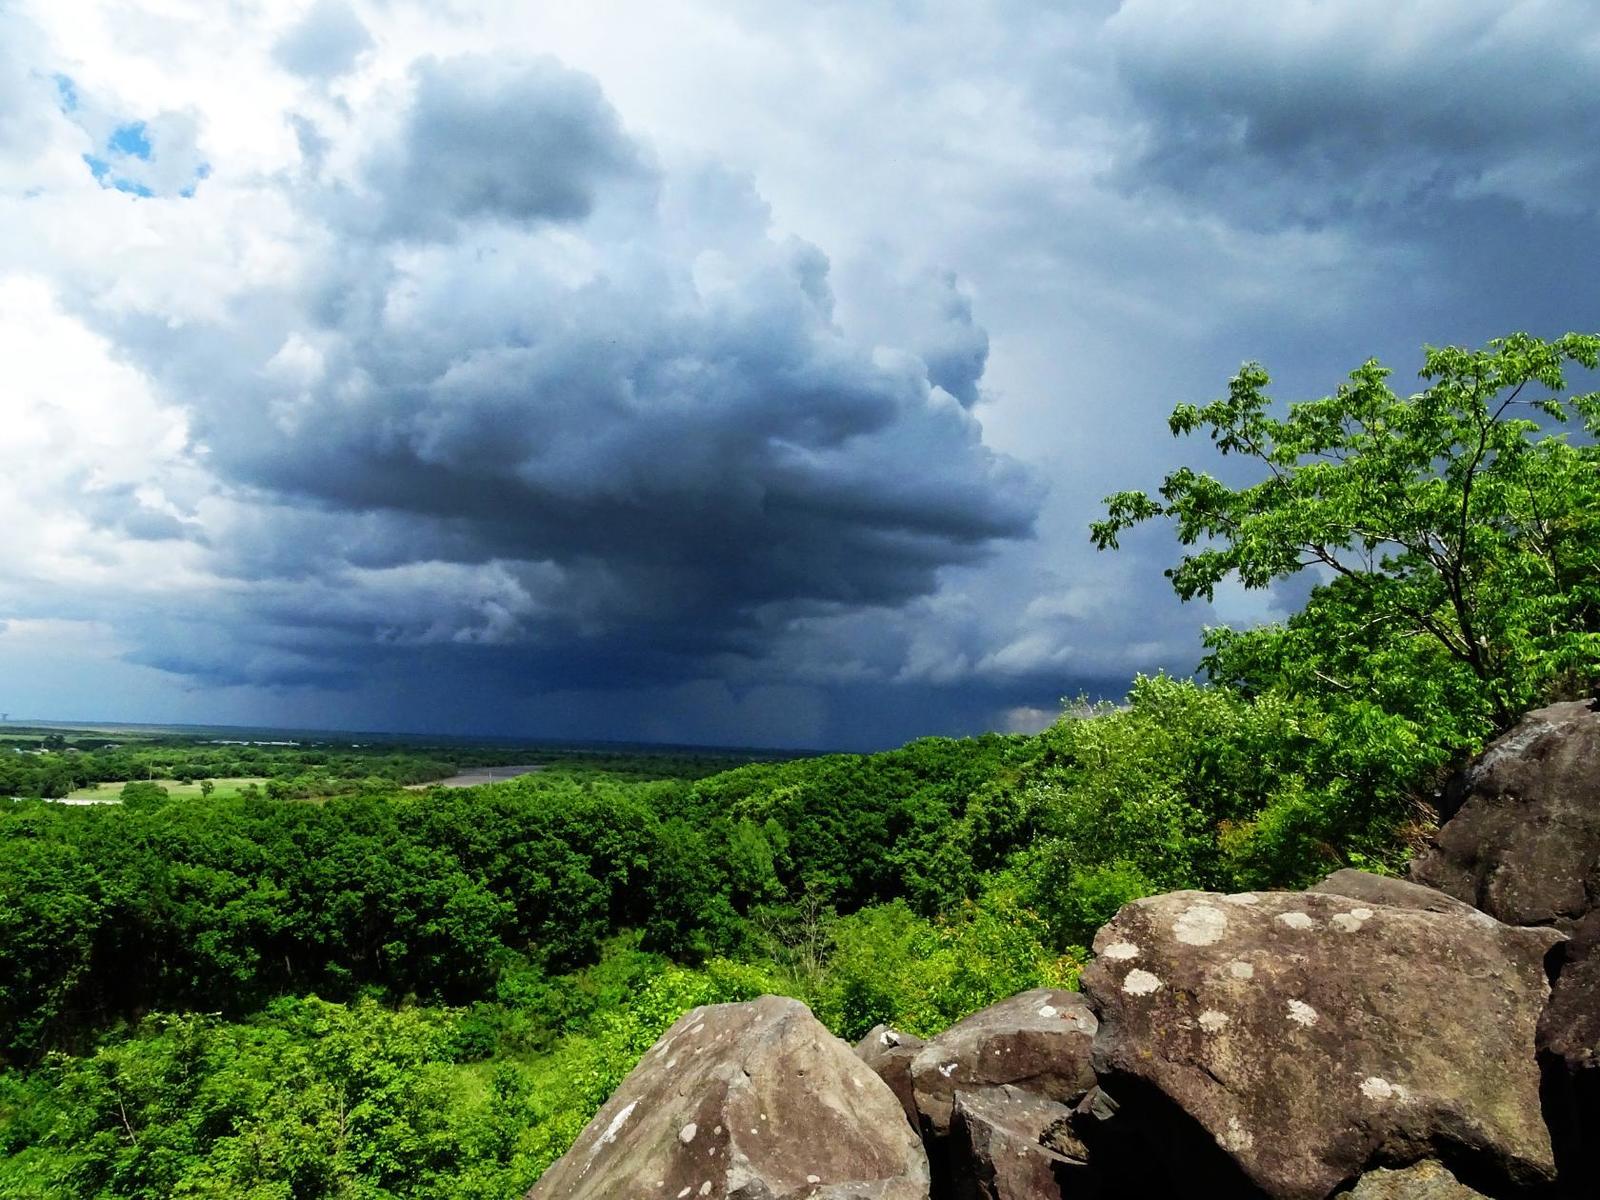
(325, 42)
(483, 137)
(504, 381)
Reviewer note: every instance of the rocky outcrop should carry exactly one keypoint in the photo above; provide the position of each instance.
(1372, 1038)
(991, 1094)
(1397, 893)
(1285, 1043)
(1011, 1144)
(1522, 841)
(889, 1052)
(749, 1101)
(1039, 1041)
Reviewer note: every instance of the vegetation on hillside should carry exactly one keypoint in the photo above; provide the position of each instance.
(385, 993)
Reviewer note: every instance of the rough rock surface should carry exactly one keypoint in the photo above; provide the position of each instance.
(1523, 843)
(889, 1052)
(1426, 1180)
(1299, 1039)
(1569, 1048)
(749, 1101)
(1014, 1145)
(1399, 893)
(1039, 1040)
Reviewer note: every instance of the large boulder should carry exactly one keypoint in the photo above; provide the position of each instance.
(1284, 1043)
(889, 1052)
(1569, 1048)
(749, 1101)
(1523, 837)
(1397, 893)
(1039, 1040)
(1014, 1145)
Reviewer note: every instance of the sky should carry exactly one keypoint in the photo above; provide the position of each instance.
(707, 371)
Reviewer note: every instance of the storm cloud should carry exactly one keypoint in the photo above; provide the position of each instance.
(1311, 112)
(734, 375)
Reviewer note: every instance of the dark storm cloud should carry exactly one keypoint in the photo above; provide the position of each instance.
(120, 507)
(325, 43)
(486, 138)
(619, 425)
(1312, 112)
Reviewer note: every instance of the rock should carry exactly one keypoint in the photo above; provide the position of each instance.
(1039, 1040)
(749, 1101)
(1569, 1049)
(1399, 893)
(889, 1053)
(1523, 843)
(1287, 1042)
(1426, 1180)
(1008, 1144)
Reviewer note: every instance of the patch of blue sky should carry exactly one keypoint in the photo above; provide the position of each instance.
(203, 171)
(66, 93)
(101, 170)
(130, 139)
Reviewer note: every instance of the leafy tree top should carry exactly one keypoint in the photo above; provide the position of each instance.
(1451, 515)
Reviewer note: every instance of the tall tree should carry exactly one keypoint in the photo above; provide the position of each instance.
(1454, 518)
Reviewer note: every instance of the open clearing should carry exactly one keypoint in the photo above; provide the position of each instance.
(476, 776)
(108, 792)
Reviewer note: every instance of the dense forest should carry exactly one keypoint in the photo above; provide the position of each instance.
(343, 988)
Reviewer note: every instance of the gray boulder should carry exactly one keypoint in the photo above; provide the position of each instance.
(1522, 841)
(1039, 1040)
(1009, 1144)
(1283, 1043)
(889, 1052)
(1398, 893)
(749, 1101)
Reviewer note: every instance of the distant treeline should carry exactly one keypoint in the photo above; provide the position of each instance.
(53, 764)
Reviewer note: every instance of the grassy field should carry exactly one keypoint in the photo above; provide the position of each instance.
(225, 788)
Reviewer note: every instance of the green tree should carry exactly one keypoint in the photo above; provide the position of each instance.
(1458, 538)
(141, 795)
